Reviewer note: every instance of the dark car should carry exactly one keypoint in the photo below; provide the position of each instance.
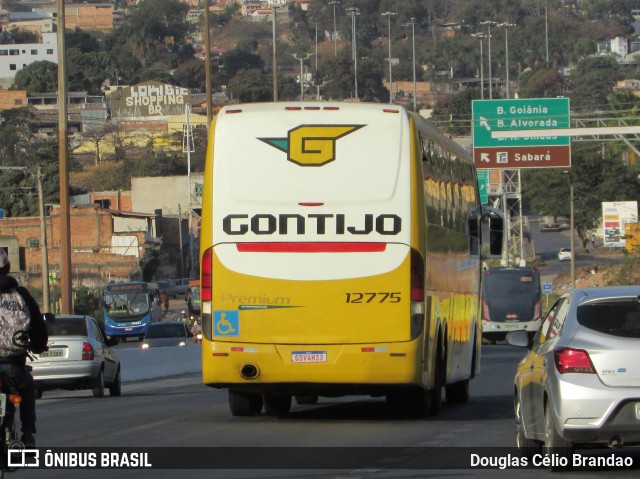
(79, 357)
(167, 333)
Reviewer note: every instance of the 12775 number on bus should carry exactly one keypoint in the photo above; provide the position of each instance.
(373, 297)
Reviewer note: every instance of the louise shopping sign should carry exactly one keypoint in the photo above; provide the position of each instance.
(520, 152)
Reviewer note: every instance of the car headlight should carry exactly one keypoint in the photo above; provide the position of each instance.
(145, 346)
(182, 343)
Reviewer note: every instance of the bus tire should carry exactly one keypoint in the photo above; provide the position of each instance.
(307, 399)
(457, 393)
(436, 392)
(277, 404)
(242, 403)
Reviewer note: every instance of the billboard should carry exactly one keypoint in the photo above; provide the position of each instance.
(615, 216)
(149, 99)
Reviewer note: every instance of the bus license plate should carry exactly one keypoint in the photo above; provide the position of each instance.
(309, 357)
(3, 404)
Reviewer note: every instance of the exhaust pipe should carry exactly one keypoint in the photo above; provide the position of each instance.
(249, 371)
(615, 441)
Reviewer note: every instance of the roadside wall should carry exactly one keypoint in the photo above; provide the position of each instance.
(138, 363)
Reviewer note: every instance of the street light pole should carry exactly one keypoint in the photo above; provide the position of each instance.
(506, 27)
(274, 64)
(546, 32)
(389, 15)
(489, 23)
(413, 56)
(353, 12)
(335, 33)
(481, 35)
(301, 59)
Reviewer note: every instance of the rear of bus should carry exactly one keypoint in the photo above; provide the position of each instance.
(307, 283)
(510, 301)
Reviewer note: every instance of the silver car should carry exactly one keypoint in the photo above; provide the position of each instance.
(579, 384)
(79, 357)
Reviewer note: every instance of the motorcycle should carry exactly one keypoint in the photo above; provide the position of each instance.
(9, 398)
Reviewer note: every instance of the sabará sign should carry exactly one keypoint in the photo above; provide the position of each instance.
(520, 114)
(150, 98)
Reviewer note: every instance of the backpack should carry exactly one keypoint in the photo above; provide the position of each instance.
(15, 322)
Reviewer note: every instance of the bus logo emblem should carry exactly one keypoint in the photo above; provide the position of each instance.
(311, 145)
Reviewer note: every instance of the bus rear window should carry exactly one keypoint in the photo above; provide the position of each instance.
(510, 282)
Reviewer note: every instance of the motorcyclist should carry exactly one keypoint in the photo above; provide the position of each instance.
(13, 356)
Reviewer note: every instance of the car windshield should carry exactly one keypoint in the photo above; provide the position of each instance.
(620, 317)
(67, 327)
(165, 331)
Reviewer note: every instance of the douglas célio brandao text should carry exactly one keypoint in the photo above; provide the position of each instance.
(549, 460)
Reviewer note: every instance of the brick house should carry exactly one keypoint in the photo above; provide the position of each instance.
(106, 244)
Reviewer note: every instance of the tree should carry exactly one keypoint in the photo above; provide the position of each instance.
(452, 113)
(591, 81)
(98, 136)
(155, 23)
(37, 77)
(542, 83)
(251, 86)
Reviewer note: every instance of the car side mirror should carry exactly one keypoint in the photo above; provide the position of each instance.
(49, 317)
(518, 338)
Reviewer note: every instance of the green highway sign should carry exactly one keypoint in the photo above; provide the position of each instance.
(519, 114)
(483, 186)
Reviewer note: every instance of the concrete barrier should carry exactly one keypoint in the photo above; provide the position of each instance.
(138, 363)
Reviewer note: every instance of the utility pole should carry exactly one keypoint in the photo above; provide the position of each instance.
(44, 256)
(335, 33)
(301, 59)
(389, 15)
(65, 209)
(207, 64)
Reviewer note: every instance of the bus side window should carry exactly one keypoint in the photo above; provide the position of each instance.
(474, 232)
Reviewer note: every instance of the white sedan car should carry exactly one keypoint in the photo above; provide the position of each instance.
(579, 383)
(79, 357)
(564, 254)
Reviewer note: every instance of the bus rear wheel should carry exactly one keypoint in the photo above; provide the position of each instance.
(244, 404)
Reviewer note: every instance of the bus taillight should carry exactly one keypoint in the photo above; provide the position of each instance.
(417, 276)
(417, 294)
(205, 284)
(485, 311)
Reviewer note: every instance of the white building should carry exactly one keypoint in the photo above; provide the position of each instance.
(14, 58)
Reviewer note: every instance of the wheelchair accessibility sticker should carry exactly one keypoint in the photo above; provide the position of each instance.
(226, 323)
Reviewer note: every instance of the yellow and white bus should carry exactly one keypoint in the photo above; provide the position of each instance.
(340, 255)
